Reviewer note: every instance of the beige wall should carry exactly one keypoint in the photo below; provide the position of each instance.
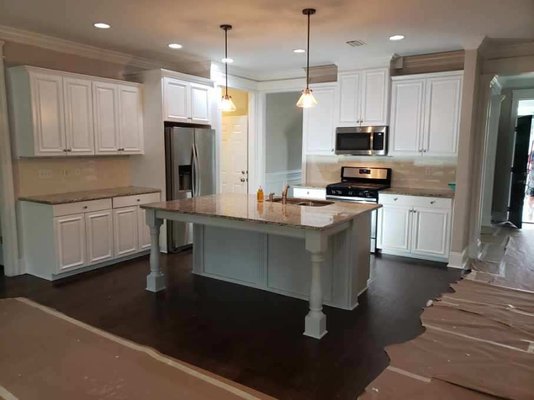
(58, 175)
(321, 170)
(41, 176)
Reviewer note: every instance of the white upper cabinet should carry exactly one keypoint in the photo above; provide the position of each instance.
(176, 100)
(425, 114)
(36, 104)
(79, 116)
(58, 113)
(200, 104)
(407, 116)
(106, 109)
(375, 97)
(130, 120)
(349, 99)
(363, 97)
(318, 121)
(186, 102)
(442, 119)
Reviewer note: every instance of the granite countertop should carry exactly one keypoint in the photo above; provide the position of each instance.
(73, 197)
(244, 207)
(445, 193)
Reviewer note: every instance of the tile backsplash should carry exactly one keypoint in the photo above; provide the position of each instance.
(407, 173)
(36, 176)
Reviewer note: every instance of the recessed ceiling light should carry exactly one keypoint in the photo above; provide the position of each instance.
(227, 60)
(299, 51)
(175, 46)
(101, 25)
(396, 37)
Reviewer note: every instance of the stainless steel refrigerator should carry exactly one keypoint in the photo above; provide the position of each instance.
(190, 172)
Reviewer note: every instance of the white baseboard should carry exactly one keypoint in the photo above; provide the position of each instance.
(274, 181)
(458, 260)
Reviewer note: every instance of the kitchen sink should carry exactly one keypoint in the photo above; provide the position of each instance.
(304, 202)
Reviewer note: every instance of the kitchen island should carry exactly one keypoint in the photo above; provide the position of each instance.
(314, 250)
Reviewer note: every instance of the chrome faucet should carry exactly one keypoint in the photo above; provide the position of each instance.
(284, 194)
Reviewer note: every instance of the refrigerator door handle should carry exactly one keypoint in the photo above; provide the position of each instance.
(193, 173)
(196, 166)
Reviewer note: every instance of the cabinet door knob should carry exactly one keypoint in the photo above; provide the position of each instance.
(138, 200)
(395, 198)
(85, 207)
(433, 202)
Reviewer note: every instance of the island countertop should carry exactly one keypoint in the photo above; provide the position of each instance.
(244, 207)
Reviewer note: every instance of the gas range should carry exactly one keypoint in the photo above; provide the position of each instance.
(360, 184)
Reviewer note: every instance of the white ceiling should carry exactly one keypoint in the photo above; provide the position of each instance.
(266, 31)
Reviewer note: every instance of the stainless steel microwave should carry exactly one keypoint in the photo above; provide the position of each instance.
(362, 140)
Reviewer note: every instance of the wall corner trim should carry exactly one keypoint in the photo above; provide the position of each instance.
(458, 260)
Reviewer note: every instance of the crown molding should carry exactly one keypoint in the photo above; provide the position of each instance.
(15, 35)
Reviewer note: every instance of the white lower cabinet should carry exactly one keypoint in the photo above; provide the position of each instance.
(414, 226)
(60, 239)
(125, 230)
(99, 234)
(70, 241)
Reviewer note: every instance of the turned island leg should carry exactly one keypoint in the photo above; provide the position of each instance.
(155, 281)
(315, 321)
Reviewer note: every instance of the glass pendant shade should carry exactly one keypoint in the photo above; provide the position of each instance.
(306, 99)
(227, 105)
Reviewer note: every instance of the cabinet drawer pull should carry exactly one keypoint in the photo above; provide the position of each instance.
(395, 198)
(433, 202)
(138, 200)
(85, 207)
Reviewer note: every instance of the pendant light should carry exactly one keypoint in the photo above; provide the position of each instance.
(227, 105)
(306, 98)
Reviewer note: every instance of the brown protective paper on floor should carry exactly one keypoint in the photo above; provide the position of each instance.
(46, 355)
(503, 315)
(472, 324)
(478, 366)
(394, 385)
(484, 293)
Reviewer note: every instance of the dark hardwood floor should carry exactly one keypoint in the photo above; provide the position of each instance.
(247, 335)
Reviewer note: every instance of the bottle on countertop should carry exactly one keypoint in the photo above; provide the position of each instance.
(259, 194)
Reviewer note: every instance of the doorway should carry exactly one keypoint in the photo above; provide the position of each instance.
(283, 141)
(514, 175)
(525, 111)
(234, 147)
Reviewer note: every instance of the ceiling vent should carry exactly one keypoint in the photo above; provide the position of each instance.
(355, 43)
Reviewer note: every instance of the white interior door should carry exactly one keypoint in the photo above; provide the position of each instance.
(234, 154)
